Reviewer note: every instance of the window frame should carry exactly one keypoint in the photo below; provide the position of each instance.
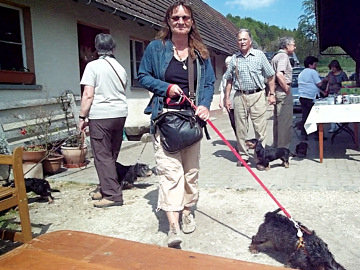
(133, 59)
(28, 75)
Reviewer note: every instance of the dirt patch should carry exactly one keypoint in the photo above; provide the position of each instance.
(226, 218)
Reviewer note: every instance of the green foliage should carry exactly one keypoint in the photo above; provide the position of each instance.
(266, 37)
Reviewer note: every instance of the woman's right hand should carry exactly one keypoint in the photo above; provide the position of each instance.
(82, 124)
(174, 91)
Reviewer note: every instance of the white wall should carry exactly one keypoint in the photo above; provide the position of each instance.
(54, 26)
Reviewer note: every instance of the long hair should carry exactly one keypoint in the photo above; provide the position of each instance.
(335, 64)
(195, 40)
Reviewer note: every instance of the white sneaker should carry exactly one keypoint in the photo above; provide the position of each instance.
(174, 238)
(188, 223)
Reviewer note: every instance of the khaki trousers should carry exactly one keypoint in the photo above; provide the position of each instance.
(178, 176)
(283, 117)
(253, 106)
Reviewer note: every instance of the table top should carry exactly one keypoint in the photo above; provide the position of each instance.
(81, 250)
(325, 113)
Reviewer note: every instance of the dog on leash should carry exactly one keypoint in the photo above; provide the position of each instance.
(39, 186)
(127, 175)
(308, 253)
(267, 154)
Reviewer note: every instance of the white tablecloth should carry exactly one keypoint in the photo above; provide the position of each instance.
(323, 113)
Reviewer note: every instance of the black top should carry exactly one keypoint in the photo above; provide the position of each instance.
(176, 74)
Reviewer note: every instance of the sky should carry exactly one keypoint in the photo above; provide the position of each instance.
(281, 13)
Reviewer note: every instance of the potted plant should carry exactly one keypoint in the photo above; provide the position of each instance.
(22, 76)
(74, 151)
(39, 147)
(4, 150)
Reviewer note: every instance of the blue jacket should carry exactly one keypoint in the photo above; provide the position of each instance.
(154, 63)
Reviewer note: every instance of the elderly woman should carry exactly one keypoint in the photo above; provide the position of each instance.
(164, 71)
(104, 105)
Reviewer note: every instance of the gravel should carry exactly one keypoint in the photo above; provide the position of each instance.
(227, 219)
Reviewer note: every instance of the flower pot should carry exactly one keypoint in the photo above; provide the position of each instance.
(33, 156)
(74, 156)
(52, 164)
(20, 77)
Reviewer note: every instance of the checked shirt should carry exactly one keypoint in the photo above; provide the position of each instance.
(252, 70)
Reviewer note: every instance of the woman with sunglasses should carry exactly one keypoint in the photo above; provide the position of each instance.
(164, 72)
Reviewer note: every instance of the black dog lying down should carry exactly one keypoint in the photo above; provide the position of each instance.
(280, 233)
(127, 175)
(39, 186)
(267, 154)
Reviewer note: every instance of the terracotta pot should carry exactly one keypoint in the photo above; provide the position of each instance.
(74, 157)
(33, 156)
(52, 164)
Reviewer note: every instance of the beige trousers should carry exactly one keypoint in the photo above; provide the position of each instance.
(283, 117)
(178, 176)
(253, 106)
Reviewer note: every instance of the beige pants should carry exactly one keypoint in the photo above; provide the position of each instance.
(178, 176)
(283, 117)
(253, 106)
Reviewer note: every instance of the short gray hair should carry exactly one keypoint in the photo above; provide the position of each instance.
(284, 41)
(104, 44)
(244, 30)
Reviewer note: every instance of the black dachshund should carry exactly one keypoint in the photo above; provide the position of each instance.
(39, 186)
(267, 154)
(308, 252)
(127, 175)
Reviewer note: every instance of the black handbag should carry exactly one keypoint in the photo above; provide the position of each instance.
(178, 130)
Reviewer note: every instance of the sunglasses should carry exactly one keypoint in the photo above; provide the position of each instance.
(177, 18)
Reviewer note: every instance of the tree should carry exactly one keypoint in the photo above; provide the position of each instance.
(307, 21)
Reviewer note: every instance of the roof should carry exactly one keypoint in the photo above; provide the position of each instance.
(215, 29)
(338, 24)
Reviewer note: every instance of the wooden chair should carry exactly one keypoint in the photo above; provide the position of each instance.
(16, 196)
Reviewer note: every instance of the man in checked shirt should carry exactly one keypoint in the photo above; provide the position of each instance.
(248, 70)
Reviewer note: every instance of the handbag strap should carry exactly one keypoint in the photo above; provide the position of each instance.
(116, 73)
(191, 78)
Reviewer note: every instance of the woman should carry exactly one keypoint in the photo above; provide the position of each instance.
(164, 71)
(309, 82)
(335, 77)
(104, 104)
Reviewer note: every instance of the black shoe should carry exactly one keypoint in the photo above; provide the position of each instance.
(240, 164)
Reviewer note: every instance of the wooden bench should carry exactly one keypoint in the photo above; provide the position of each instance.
(81, 250)
(34, 115)
(16, 196)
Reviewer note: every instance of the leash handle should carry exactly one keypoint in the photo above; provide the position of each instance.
(243, 162)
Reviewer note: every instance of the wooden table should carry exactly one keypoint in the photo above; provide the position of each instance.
(341, 113)
(80, 250)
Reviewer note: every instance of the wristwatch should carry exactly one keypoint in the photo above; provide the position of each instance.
(272, 94)
(82, 117)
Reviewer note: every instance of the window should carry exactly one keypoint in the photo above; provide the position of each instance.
(16, 48)
(137, 48)
(12, 47)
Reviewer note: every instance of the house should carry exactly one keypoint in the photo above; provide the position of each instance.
(45, 45)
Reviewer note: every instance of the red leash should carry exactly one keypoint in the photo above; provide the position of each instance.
(242, 161)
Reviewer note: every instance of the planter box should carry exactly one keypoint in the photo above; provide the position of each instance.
(19, 77)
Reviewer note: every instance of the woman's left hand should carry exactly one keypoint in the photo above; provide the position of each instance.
(202, 112)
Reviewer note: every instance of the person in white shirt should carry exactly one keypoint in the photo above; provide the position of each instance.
(309, 82)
